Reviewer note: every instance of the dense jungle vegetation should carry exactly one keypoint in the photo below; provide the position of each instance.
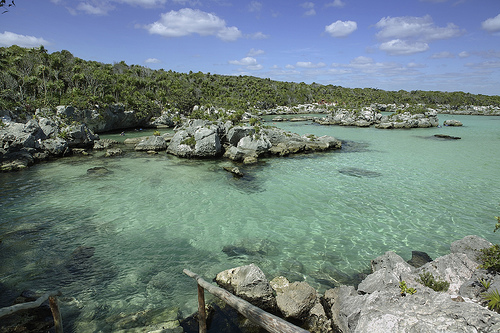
(32, 78)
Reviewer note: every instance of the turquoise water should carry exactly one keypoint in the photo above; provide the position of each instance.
(307, 217)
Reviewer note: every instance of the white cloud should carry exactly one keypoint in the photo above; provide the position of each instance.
(443, 55)
(401, 47)
(189, 21)
(492, 24)
(336, 3)
(310, 8)
(341, 28)
(152, 61)
(416, 28)
(254, 6)
(249, 63)
(8, 38)
(149, 3)
(464, 54)
(289, 66)
(94, 8)
(308, 64)
(253, 52)
(258, 35)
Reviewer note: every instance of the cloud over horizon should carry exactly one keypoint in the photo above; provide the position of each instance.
(8, 38)
(189, 21)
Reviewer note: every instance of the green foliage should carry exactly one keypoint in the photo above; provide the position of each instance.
(493, 298)
(405, 290)
(63, 135)
(2, 124)
(490, 258)
(497, 226)
(254, 121)
(33, 78)
(428, 280)
(485, 283)
(191, 141)
(156, 133)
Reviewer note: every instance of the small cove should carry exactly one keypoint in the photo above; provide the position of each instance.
(136, 228)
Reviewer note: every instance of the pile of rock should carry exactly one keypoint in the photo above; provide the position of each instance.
(379, 303)
(202, 139)
(409, 120)
(360, 118)
(23, 144)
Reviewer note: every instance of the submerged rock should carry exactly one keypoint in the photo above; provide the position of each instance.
(446, 137)
(360, 173)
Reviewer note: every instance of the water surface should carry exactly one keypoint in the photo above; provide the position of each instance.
(117, 243)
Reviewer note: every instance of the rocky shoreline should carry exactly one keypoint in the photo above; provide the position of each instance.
(379, 303)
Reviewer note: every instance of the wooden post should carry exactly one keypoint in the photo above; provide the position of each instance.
(269, 322)
(202, 315)
(58, 326)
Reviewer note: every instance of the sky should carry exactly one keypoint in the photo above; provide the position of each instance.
(443, 45)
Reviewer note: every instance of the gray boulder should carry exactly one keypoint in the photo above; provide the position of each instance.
(249, 283)
(452, 122)
(387, 311)
(207, 142)
(296, 300)
(154, 142)
(236, 133)
(55, 146)
(470, 246)
(388, 270)
(79, 136)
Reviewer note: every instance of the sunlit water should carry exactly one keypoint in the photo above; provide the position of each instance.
(319, 218)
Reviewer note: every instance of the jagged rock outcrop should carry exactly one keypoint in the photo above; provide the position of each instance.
(23, 144)
(379, 305)
(360, 118)
(154, 142)
(409, 120)
(113, 117)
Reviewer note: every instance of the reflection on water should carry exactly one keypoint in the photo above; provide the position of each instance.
(115, 241)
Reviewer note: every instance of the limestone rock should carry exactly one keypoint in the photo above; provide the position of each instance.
(154, 142)
(452, 122)
(249, 283)
(296, 300)
(470, 245)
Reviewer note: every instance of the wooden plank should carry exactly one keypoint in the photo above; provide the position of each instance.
(202, 315)
(54, 307)
(269, 322)
(28, 305)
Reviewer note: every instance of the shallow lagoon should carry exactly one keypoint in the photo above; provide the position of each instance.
(118, 243)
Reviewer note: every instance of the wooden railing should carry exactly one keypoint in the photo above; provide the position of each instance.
(51, 296)
(269, 322)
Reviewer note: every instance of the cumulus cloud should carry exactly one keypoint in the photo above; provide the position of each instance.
(152, 61)
(401, 47)
(189, 21)
(407, 35)
(336, 3)
(308, 64)
(249, 63)
(341, 28)
(417, 28)
(492, 24)
(8, 38)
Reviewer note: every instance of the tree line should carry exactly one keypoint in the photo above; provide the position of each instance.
(31, 78)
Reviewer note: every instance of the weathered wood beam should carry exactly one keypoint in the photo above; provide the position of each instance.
(269, 322)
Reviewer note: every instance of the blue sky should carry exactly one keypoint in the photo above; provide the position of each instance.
(446, 45)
